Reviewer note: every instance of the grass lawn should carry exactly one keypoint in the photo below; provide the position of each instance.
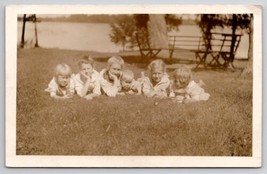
(129, 125)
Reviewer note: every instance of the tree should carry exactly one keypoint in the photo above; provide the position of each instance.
(243, 22)
(235, 21)
(249, 67)
(122, 31)
(23, 31)
(173, 22)
(157, 25)
(32, 18)
(35, 30)
(158, 36)
(208, 22)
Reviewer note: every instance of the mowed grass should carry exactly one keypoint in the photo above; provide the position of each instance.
(129, 125)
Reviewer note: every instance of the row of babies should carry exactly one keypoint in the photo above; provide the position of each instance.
(113, 80)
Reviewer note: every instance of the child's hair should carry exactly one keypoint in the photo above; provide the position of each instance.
(63, 68)
(183, 72)
(157, 63)
(86, 60)
(127, 74)
(115, 59)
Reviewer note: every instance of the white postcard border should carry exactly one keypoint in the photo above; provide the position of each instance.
(13, 160)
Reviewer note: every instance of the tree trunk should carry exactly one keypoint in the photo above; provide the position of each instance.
(35, 29)
(206, 30)
(233, 42)
(158, 35)
(23, 31)
(229, 63)
(249, 68)
(123, 46)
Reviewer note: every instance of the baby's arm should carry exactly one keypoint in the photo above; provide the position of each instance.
(147, 89)
(52, 89)
(121, 93)
(85, 87)
(96, 90)
(194, 94)
(139, 89)
(110, 90)
(130, 92)
(180, 91)
(150, 93)
(97, 87)
(162, 89)
(55, 96)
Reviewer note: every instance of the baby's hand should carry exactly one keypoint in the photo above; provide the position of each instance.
(113, 77)
(172, 94)
(178, 99)
(120, 75)
(85, 78)
(69, 95)
(88, 97)
(121, 93)
(90, 87)
(130, 92)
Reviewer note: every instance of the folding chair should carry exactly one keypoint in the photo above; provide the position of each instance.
(144, 46)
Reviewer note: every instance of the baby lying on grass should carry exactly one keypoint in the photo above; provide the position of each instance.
(157, 82)
(110, 76)
(113, 81)
(128, 84)
(87, 81)
(185, 90)
(62, 85)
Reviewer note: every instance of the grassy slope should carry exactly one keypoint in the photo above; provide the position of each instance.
(129, 125)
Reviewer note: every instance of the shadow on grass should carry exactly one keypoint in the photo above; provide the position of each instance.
(134, 60)
(146, 60)
(142, 62)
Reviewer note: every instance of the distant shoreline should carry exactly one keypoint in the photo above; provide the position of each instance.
(95, 19)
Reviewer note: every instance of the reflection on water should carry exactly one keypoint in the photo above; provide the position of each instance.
(95, 37)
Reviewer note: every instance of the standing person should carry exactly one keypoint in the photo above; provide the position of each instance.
(110, 77)
(157, 82)
(87, 81)
(62, 85)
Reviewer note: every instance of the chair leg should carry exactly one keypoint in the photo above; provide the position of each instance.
(197, 62)
(143, 55)
(171, 53)
(157, 52)
(202, 59)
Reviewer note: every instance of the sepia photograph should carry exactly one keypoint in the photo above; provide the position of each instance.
(133, 86)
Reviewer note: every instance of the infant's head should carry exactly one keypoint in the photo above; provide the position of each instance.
(62, 74)
(126, 79)
(182, 76)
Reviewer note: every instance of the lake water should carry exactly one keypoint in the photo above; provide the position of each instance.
(95, 37)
